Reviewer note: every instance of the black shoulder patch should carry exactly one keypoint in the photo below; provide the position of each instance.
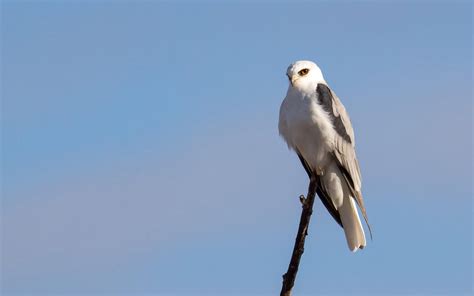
(325, 99)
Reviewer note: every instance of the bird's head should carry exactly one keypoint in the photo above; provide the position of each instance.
(304, 75)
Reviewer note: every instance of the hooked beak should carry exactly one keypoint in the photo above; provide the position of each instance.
(292, 79)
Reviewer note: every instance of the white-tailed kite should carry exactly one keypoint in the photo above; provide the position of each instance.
(315, 124)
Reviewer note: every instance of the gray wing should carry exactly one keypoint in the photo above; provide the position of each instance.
(344, 151)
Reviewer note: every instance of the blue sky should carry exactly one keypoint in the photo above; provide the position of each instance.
(140, 152)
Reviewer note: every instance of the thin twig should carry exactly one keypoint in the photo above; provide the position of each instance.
(298, 249)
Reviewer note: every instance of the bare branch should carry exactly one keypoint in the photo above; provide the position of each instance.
(298, 249)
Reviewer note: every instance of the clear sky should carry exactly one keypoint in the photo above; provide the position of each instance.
(140, 151)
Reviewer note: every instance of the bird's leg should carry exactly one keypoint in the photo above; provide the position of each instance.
(319, 171)
(312, 177)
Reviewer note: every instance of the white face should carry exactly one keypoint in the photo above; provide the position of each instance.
(304, 74)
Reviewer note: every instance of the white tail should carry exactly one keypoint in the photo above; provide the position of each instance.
(352, 226)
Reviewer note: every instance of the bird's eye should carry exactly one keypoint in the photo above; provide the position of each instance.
(303, 72)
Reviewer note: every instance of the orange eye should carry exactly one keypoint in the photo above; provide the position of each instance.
(303, 72)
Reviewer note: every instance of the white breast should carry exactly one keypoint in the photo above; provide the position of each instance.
(307, 128)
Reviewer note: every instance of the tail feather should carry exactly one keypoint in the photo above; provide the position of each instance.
(353, 229)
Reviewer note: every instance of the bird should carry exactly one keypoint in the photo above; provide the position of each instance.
(315, 124)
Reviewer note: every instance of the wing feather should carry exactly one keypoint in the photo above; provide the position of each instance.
(344, 144)
(322, 192)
